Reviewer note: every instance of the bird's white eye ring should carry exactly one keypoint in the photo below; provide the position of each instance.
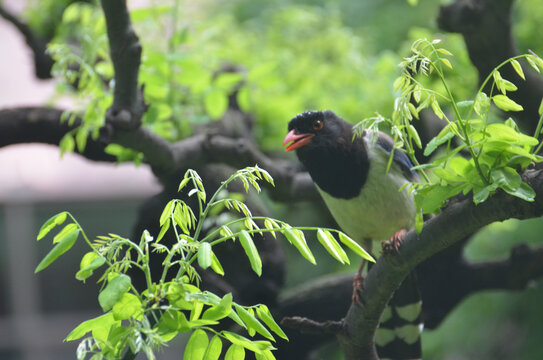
(318, 124)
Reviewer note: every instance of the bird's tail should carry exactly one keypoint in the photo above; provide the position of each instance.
(399, 334)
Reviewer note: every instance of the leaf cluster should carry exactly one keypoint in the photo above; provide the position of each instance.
(141, 322)
(471, 154)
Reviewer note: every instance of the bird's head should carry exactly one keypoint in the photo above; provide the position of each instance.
(316, 129)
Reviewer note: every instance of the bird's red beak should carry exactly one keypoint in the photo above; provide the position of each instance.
(296, 140)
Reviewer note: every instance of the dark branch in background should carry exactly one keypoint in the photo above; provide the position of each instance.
(487, 31)
(42, 61)
(444, 292)
(42, 125)
(125, 50)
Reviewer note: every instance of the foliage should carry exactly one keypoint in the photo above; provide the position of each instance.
(85, 68)
(184, 86)
(480, 157)
(144, 321)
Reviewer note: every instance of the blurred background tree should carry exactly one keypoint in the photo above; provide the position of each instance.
(241, 70)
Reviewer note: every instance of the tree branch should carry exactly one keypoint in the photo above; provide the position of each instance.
(125, 50)
(456, 222)
(42, 125)
(42, 61)
(446, 282)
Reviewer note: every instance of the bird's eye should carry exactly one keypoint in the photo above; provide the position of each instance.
(317, 125)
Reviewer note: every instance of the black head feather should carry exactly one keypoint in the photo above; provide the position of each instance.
(336, 163)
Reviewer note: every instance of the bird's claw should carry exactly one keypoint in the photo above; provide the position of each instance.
(392, 246)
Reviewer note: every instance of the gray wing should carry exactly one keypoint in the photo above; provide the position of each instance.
(400, 158)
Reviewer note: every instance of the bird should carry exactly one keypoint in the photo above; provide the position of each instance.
(368, 200)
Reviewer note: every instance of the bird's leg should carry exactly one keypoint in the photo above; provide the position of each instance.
(358, 279)
(392, 246)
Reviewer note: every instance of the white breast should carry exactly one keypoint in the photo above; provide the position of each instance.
(380, 208)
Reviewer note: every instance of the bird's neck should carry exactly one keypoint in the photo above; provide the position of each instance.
(341, 172)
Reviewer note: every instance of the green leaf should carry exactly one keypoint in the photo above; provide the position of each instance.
(60, 248)
(241, 340)
(173, 321)
(114, 291)
(506, 177)
(524, 192)
(166, 212)
(164, 227)
(481, 195)
(90, 262)
(65, 231)
(103, 321)
(436, 142)
(220, 311)
(196, 311)
(354, 246)
(81, 139)
(204, 255)
(50, 224)
(216, 103)
(252, 322)
(419, 222)
(437, 109)
(540, 109)
(431, 198)
(414, 135)
(216, 265)
(251, 251)
(330, 244)
(531, 62)
(244, 99)
(128, 306)
(445, 52)
(446, 62)
(502, 132)
(196, 346)
(271, 224)
(213, 351)
(235, 352)
(183, 183)
(66, 144)
(267, 354)
(296, 239)
(506, 104)
(264, 314)
(481, 104)
(518, 68)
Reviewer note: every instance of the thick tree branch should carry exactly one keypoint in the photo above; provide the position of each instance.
(42, 61)
(125, 50)
(42, 125)
(456, 222)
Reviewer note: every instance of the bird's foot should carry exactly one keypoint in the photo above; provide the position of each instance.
(392, 246)
(358, 279)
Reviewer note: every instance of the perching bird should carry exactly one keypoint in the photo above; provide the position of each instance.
(351, 175)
